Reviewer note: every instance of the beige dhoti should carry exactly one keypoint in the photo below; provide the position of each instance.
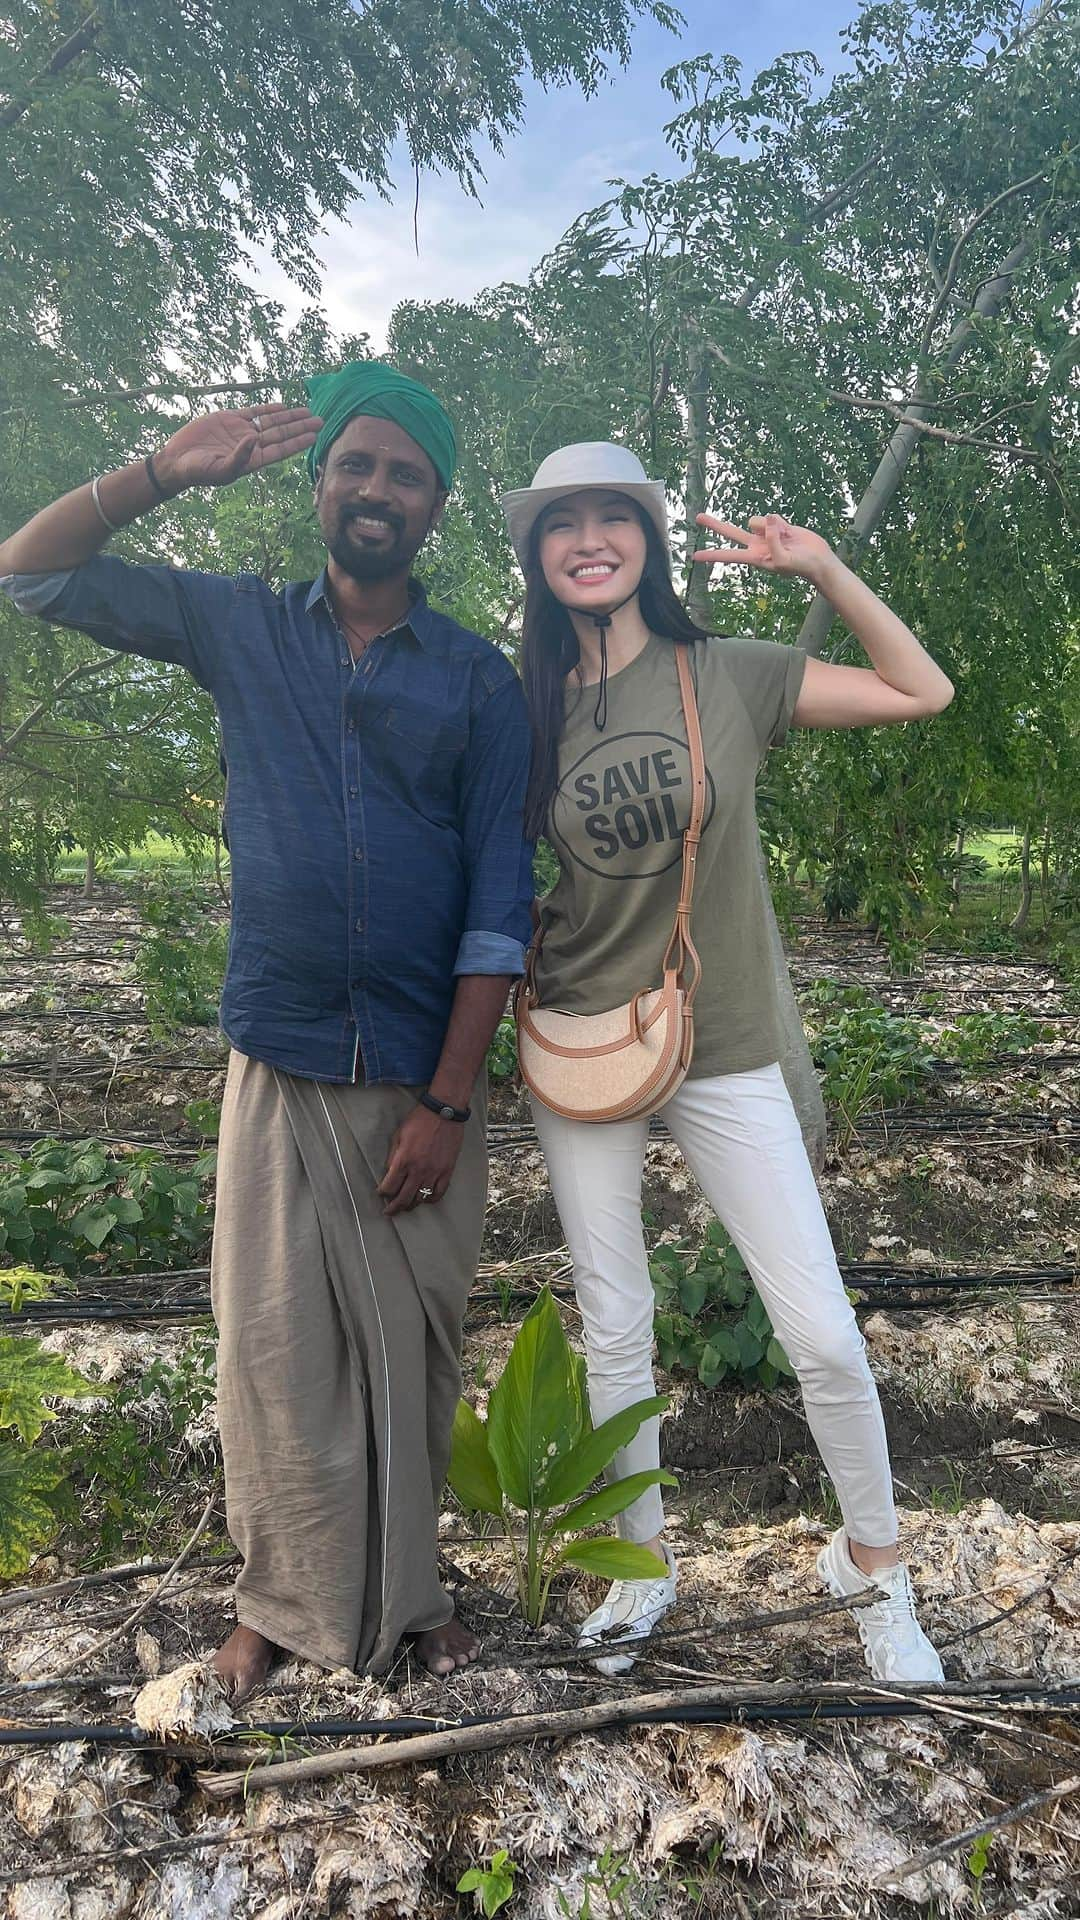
(338, 1362)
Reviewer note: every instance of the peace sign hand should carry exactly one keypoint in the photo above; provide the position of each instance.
(217, 448)
(772, 544)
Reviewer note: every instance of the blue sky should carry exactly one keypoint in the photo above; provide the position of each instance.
(555, 168)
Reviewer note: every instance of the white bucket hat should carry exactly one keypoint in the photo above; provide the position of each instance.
(591, 463)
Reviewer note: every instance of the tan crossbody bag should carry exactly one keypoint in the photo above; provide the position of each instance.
(616, 1065)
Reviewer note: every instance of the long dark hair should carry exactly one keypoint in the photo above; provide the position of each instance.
(550, 651)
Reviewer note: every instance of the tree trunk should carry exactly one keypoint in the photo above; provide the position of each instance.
(90, 874)
(1044, 874)
(697, 477)
(794, 1055)
(958, 855)
(1020, 920)
(894, 461)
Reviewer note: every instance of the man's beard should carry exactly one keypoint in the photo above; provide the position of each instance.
(370, 563)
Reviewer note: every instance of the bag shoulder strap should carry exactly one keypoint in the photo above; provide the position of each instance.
(680, 947)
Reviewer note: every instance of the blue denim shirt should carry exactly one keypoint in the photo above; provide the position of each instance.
(374, 812)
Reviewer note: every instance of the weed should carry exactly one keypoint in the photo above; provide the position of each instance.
(624, 1893)
(502, 1054)
(973, 1039)
(710, 1320)
(34, 1495)
(867, 1056)
(181, 963)
(125, 1463)
(69, 1204)
(493, 1885)
(204, 1118)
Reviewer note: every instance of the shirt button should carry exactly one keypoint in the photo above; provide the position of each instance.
(359, 926)
(353, 791)
(358, 855)
(350, 726)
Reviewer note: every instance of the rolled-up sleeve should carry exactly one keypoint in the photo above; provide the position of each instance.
(161, 613)
(33, 592)
(498, 858)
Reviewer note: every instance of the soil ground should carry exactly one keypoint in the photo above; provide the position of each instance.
(806, 1817)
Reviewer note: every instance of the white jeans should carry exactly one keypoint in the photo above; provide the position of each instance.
(740, 1137)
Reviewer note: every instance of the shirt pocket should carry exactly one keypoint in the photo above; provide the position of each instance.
(430, 734)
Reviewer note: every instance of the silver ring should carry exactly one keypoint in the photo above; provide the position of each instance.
(426, 1193)
(256, 423)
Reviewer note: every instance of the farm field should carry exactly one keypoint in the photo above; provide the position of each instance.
(954, 1215)
(377, 381)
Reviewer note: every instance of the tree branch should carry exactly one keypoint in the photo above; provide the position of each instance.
(1009, 1818)
(898, 410)
(893, 464)
(28, 724)
(173, 391)
(946, 287)
(77, 43)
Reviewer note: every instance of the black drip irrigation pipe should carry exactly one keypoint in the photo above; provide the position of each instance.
(880, 1286)
(1027, 1694)
(980, 1125)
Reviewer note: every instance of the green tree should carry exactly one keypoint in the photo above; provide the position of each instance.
(147, 152)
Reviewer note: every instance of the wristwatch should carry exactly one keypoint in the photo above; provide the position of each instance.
(444, 1111)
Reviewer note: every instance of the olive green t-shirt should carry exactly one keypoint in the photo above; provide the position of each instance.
(617, 820)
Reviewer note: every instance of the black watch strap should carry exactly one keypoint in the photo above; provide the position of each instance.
(444, 1111)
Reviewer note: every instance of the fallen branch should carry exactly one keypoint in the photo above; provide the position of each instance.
(572, 1654)
(77, 1582)
(130, 1620)
(558, 1724)
(1007, 1613)
(1009, 1818)
(81, 1863)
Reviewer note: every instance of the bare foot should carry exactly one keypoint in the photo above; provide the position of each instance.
(243, 1663)
(443, 1649)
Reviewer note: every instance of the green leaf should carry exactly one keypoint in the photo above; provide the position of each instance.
(20, 1284)
(712, 1366)
(775, 1355)
(579, 1369)
(612, 1559)
(94, 1224)
(610, 1500)
(29, 1375)
(575, 1472)
(472, 1470)
(126, 1210)
(693, 1292)
(46, 1180)
(736, 1286)
(29, 1480)
(469, 1881)
(749, 1346)
(533, 1413)
(12, 1199)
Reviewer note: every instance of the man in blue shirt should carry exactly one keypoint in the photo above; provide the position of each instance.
(376, 757)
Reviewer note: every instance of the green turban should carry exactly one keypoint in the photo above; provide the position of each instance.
(367, 386)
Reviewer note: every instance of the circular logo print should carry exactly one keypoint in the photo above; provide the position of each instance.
(621, 810)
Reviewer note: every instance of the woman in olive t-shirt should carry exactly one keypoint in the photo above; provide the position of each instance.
(610, 789)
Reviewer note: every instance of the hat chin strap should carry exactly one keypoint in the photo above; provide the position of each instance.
(602, 621)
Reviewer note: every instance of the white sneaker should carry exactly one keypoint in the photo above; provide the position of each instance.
(631, 1611)
(895, 1645)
